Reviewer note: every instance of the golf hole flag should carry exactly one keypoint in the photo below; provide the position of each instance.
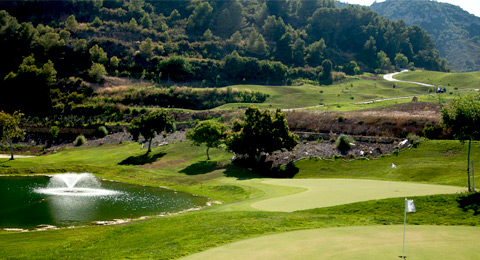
(410, 206)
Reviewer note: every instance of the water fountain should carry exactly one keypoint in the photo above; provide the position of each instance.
(73, 184)
(77, 199)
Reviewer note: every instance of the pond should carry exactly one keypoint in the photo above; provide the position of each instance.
(27, 202)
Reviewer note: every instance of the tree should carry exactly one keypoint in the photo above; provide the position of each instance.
(97, 71)
(344, 143)
(30, 83)
(146, 21)
(401, 61)
(462, 116)
(146, 48)
(210, 133)
(327, 71)
(199, 20)
(261, 133)
(98, 55)
(151, 125)
(10, 129)
(315, 53)
(71, 23)
(351, 68)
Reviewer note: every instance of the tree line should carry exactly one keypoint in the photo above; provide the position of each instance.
(216, 42)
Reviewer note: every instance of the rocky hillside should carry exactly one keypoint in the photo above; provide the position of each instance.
(455, 32)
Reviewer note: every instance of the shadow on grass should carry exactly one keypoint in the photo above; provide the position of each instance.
(2, 163)
(470, 202)
(202, 167)
(267, 169)
(142, 159)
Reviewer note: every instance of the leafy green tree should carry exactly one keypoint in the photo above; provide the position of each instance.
(53, 134)
(210, 133)
(315, 52)
(383, 62)
(132, 25)
(284, 48)
(199, 20)
(256, 44)
(261, 133)
(151, 125)
(175, 68)
(344, 143)
(235, 40)
(351, 68)
(401, 61)
(274, 28)
(97, 72)
(114, 62)
(97, 4)
(32, 83)
(98, 55)
(136, 6)
(146, 48)
(71, 23)
(327, 71)
(231, 19)
(462, 117)
(146, 21)
(299, 52)
(96, 22)
(10, 129)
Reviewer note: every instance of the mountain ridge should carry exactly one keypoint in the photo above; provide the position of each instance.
(454, 31)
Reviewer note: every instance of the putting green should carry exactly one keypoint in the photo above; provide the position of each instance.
(330, 192)
(371, 242)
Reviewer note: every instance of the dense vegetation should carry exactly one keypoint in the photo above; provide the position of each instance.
(54, 47)
(454, 31)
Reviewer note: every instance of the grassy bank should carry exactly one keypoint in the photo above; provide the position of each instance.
(175, 236)
(183, 166)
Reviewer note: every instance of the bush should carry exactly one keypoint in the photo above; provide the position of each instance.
(102, 131)
(344, 143)
(80, 140)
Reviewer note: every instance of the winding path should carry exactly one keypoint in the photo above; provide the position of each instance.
(389, 77)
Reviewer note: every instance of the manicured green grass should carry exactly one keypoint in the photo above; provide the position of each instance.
(319, 192)
(374, 242)
(343, 96)
(180, 235)
(183, 166)
(434, 162)
(463, 81)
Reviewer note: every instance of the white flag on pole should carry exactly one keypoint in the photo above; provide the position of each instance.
(410, 206)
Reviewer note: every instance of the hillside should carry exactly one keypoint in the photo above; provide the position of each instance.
(455, 32)
(55, 47)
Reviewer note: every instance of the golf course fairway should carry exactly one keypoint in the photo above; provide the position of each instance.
(365, 242)
(331, 192)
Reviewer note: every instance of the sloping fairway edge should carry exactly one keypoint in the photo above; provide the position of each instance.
(372, 242)
(331, 192)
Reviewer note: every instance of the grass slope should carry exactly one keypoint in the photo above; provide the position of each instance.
(180, 235)
(183, 166)
(343, 96)
(319, 192)
(464, 81)
(434, 162)
(374, 242)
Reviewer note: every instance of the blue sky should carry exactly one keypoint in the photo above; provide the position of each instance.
(471, 6)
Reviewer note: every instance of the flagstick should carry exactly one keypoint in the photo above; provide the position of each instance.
(404, 228)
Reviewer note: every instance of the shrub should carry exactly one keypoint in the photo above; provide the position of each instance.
(80, 140)
(344, 143)
(102, 131)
